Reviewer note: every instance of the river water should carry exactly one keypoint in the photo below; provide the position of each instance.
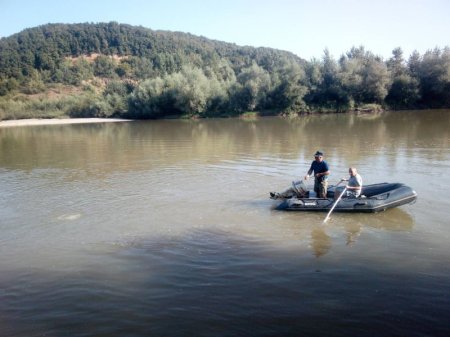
(165, 228)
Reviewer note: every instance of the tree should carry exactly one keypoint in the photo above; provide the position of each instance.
(326, 89)
(186, 92)
(289, 89)
(433, 73)
(190, 89)
(252, 87)
(139, 68)
(35, 84)
(396, 64)
(364, 76)
(8, 85)
(104, 66)
(150, 99)
(404, 91)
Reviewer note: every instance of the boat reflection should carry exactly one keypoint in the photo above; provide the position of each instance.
(353, 226)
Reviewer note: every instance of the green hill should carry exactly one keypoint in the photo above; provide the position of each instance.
(111, 69)
(46, 48)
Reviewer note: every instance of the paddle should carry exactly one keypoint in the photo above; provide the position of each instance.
(340, 181)
(335, 203)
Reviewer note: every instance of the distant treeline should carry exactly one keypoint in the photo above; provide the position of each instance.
(112, 69)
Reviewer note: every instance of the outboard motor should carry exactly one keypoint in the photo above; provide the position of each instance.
(300, 188)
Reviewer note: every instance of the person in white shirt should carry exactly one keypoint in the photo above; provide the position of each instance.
(355, 183)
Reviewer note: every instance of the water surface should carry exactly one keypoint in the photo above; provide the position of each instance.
(164, 228)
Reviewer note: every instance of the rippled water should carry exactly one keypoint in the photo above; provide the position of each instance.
(164, 228)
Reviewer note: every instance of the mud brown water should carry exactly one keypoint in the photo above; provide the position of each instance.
(164, 228)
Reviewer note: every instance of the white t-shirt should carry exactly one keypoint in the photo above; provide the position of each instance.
(355, 181)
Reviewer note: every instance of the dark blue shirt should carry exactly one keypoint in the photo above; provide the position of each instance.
(319, 167)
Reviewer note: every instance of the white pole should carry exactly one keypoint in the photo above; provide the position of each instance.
(335, 203)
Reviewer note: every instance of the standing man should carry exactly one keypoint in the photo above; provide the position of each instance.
(321, 172)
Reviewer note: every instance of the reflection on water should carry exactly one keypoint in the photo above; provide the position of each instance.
(320, 241)
(352, 227)
(353, 232)
(165, 228)
(347, 138)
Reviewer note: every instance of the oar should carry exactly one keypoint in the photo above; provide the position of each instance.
(335, 203)
(340, 181)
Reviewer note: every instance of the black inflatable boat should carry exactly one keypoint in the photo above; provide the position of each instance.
(374, 198)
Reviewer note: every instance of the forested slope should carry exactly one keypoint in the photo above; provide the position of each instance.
(111, 69)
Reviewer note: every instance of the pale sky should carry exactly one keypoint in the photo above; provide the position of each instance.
(304, 27)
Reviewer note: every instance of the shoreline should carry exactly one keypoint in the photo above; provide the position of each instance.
(56, 121)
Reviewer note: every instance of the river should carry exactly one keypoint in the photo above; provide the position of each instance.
(165, 228)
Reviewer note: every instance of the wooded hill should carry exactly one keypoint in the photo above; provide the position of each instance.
(111, 69)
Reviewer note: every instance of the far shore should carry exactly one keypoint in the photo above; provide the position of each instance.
(56, 121)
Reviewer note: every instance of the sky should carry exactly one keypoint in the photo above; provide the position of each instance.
(304, 27)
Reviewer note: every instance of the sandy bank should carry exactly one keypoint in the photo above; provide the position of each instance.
(27, 122)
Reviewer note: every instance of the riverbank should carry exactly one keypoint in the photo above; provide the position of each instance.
(57, 121)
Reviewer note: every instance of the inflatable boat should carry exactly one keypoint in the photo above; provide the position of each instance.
(373, 198)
